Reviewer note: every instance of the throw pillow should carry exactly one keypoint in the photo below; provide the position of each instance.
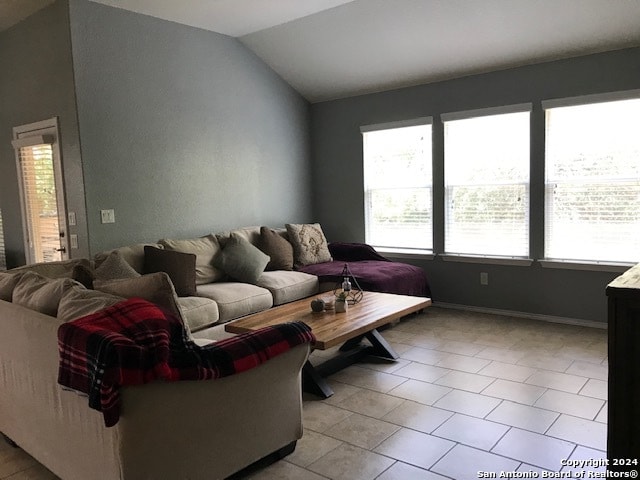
(181, 268)
(58, 269)
(114, 266)
(41, 294)
(8, 282)
(309, 244)
(205, 249)
(241, 260)
(83, 275)
(78, 302)
(278, 248)
(250, 234)
(153, 287)
(132, 254)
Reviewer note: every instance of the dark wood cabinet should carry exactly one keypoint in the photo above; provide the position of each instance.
(623, 437)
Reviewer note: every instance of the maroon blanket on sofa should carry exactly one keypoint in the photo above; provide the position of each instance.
(373, 272)
(135, 342)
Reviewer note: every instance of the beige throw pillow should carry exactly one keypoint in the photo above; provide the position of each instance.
(309, 244)
(41, 294)
(205, 249)
(113, 267)
(8, 282)
(153, 287)
(59, 269)
(132, 254)
(79, 302)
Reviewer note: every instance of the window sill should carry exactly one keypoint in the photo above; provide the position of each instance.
(405, 253)
(488, 260)
(585, 265)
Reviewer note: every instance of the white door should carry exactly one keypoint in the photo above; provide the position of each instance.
(41, 191)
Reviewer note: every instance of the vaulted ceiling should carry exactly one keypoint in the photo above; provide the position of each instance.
(329, 49)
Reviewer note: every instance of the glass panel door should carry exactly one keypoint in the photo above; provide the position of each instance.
(42, 198)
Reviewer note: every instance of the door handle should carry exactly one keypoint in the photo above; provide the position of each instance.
(63, 250)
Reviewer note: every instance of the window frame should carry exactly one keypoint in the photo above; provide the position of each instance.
(400, 252)
(45, 132)
(575, 264)
(496, 259)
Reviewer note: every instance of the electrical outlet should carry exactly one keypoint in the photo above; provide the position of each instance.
(73, 239)
(484, 278)
(108, 216)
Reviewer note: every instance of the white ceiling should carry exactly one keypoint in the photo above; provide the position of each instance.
(329, 49)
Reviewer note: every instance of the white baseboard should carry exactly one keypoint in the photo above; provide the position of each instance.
(530, 316)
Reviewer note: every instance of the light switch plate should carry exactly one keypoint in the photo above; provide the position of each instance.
(72, 218)
(73, 239)
(108, 216)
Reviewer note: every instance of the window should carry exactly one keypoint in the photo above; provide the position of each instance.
(397, 185)
(593, 181)
(486, 161)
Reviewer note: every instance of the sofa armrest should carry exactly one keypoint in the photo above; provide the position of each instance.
(354, 252)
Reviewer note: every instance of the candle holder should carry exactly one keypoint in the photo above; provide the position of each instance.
(350, 286)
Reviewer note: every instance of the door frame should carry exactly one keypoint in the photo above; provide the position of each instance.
(42, 132)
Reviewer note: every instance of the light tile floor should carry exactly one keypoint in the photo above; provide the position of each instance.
(471, 392)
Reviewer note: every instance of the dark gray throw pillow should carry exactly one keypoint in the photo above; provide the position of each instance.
(241, 260)
(180, 266)
(278, 248)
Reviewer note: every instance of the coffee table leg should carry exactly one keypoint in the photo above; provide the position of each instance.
(380, 346)
(351, 344)
(313, 382)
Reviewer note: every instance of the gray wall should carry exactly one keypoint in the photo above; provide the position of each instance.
(337, 174)
(183, 131)
(37, 83)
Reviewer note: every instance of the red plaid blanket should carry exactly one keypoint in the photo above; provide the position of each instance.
(135, 342)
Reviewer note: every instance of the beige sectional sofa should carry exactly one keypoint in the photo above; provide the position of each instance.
(218, 297)
(178, 430)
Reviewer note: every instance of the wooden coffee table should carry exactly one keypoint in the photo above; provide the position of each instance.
(348, 329)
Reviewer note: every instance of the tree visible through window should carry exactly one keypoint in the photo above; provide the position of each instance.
(593, 182)
(398, 184)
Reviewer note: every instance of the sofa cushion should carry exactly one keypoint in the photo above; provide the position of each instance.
(8, 282)
(205, 249)
(180, 266)
(40, 293)
(241, 260)
(132, 254)
(198, 312)
(236, 299)
(114, 266)
(309, 244)
(278, 248)
(250, 234)
(59, 269)
(287, 286)
(78, 302)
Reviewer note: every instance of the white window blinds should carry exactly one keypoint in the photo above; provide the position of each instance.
(593, 182)
(486, 160)
(39, 196)
(398, 186)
